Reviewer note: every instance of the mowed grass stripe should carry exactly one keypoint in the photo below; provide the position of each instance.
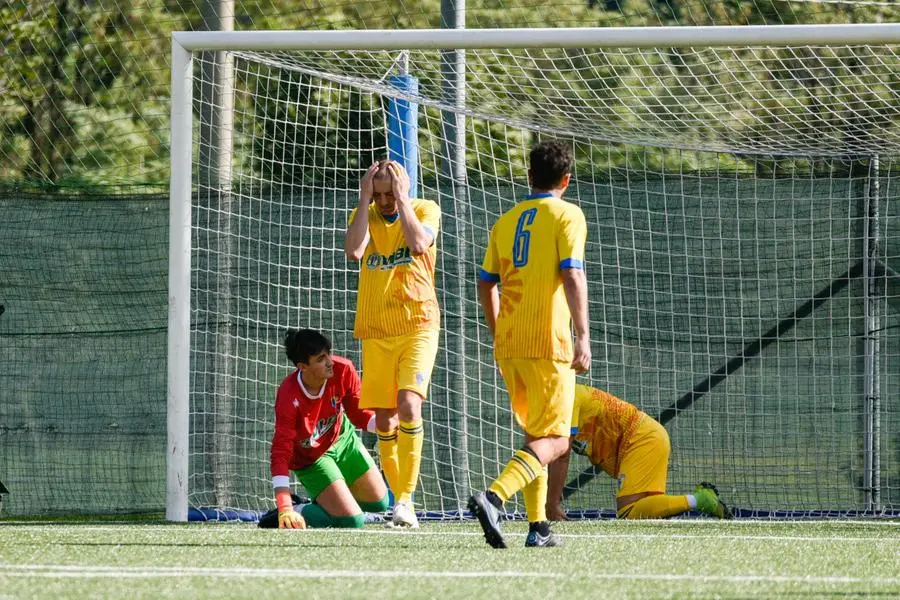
(446, 529)
(239, 572)
(663, 559)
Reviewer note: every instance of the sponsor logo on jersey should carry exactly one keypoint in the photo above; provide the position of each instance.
(379, 262)
(322, 427)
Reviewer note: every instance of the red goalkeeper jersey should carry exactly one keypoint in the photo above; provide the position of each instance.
(306, 427)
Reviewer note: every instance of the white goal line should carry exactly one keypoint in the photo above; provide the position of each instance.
(86, 571)
(666, 533)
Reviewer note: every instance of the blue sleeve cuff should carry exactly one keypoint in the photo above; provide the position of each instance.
(571, 263)
(430, 232)
(485, 276)
(573, 431)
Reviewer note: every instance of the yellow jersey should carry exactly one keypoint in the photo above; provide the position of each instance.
(396, 292)
(602, 426)
(528, 247)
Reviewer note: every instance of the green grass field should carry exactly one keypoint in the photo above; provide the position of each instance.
(613, 559)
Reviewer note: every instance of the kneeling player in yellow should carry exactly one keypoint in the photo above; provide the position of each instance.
(632, 447)
(397, 319)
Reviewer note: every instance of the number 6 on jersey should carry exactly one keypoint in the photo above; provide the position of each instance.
(522, 239)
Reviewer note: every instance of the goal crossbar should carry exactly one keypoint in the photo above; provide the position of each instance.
(573, 37)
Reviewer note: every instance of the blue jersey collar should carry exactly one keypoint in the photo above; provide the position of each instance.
(541, 195)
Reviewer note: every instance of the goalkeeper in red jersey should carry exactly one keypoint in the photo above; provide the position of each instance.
(632, 447)
(316, 408)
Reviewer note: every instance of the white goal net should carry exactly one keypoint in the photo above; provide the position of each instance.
(743, 208)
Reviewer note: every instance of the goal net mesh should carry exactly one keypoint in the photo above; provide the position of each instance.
(743, 213)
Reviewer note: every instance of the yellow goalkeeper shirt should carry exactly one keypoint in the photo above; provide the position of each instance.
(396, 292)
(602, 426)
(528, 247)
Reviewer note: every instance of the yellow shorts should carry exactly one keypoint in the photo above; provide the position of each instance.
(542, 393)
(645, 462)
(397, 363)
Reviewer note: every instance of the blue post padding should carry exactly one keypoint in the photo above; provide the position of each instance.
(403, 129)
(251, 516)
(215, 514)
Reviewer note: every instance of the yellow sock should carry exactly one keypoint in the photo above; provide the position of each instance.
(522, 469)
(409, 450)
(536, 498)
(655, 507)
(387, 452)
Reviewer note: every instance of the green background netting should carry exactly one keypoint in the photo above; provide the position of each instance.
(83, 353)
(683, 274)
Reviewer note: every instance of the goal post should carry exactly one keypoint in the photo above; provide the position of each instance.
(743, 212)
(178, 376)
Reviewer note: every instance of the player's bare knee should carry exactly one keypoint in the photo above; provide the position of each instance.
(547, 449)
(560, 447)
(386, 419)
(409, 405)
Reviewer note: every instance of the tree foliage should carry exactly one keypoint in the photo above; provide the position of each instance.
(85, 82)
(85, 90)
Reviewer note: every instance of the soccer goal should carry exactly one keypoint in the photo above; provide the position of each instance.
(743, 203)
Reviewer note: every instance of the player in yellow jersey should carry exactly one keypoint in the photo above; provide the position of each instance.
(633, 448)
(397, 319)
(536, 254)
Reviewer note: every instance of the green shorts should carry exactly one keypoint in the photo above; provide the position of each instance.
(346, 460)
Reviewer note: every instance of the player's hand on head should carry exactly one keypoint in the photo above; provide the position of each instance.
(399, 181)
(581, 360)
(366, 187)
(291, 519)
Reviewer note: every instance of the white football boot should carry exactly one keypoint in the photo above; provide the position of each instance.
(404, 516)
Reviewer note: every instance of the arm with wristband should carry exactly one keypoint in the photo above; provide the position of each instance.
(288, 518)
(282, 448)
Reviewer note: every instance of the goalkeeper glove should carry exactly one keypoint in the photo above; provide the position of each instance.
(288, 518)
(291, 519)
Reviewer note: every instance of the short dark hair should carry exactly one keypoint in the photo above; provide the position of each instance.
(303, 343)
(383, 172)
(548, 163)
